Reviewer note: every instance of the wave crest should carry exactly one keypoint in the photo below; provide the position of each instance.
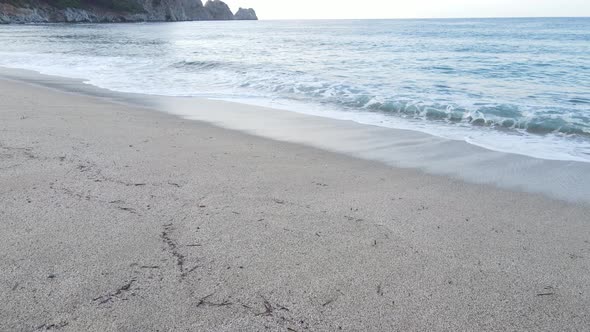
(503, 117)
(199, 64)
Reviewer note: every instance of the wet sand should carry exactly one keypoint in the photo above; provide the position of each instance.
(119, 218)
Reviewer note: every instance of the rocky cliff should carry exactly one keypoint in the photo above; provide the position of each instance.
(102, 11)
(219, 10)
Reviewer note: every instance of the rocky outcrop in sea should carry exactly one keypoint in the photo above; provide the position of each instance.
(86, 11)
(245, 14)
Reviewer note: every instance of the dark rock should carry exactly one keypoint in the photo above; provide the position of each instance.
(246, 14)
(219, 10)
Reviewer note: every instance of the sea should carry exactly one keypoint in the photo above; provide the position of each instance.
(518, 85)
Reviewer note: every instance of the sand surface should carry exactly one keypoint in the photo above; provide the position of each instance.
(115, 218)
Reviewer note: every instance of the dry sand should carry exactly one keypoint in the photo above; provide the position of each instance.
(116, 218)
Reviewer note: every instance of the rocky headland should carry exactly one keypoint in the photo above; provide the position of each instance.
(109, 11)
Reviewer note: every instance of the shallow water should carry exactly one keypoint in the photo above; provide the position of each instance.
(511, 85)
(564, 180)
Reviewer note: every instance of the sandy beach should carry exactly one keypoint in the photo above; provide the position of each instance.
(121, 218)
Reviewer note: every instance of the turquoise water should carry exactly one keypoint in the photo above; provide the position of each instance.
(513, 85)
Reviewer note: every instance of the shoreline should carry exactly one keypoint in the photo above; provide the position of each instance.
(115, 217)
(400, 148)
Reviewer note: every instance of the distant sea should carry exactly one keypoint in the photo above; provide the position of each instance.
(511, 85)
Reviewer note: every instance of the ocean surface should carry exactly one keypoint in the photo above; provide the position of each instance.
(511, 85)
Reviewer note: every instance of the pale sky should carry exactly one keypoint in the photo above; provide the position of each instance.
(334, 9)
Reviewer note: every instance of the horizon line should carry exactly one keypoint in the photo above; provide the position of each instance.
(419, 18)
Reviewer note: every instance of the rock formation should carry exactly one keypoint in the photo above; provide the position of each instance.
(219, 10)
(95, 11)
(174, 10)
(245, 14)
